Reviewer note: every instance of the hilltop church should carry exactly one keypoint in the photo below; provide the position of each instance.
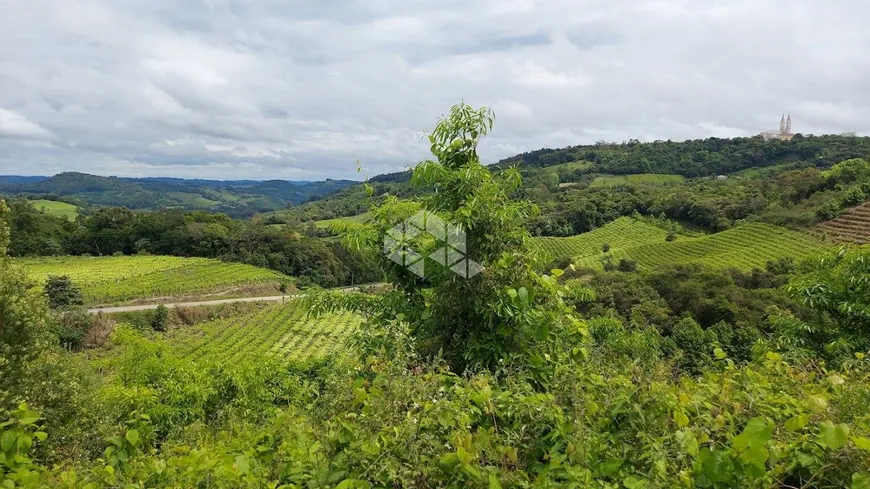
(784, 133)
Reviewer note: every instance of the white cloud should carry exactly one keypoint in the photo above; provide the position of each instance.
(300, 89)
(14, 125)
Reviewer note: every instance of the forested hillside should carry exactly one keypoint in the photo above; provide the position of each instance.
(237, 198)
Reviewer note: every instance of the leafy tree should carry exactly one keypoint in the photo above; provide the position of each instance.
(23, 318)
(837, 286)
(503, 314)
(62, 292)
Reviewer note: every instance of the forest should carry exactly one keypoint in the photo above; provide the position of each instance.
(692, 332)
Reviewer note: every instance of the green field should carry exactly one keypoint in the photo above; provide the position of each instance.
(280, 330)
(193, 200)
(621, 233)
(55, 208)
(342, 221)
(643, 178)
(122, 278)
(744, 247)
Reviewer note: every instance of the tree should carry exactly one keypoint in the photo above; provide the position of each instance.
(62, 292)
(23, 318)
(837, 285)
(504, 314)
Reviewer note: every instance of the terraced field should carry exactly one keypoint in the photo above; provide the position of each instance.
(280, 330)
(649, 178)
(851, 227)
(621, 233)
(743, 247)
(121, 278)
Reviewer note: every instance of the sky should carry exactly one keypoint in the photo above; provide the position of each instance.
(303, 89)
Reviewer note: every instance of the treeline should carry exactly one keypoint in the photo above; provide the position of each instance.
(285, 248)
(701, 157)
(791, 197)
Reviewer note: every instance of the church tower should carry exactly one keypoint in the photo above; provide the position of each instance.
(782, 124)
(788, 124)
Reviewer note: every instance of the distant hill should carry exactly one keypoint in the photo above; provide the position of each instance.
(240, 198)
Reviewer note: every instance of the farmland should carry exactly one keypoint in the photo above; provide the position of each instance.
(621, 233)
(55, 208)
(851, 227)
(282, 331)
(341, 221)
(744, 247)
(123, 278)
(646, 178)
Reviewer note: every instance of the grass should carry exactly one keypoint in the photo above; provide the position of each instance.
(744, 247)
(342, 221)
(282, 330)
(57, 209)
(192, 200)
(122, 278)
(643, 178)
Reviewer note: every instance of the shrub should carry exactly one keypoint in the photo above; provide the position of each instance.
(62, 292)
(626, 265)
(671, 237)
(605, 247)
(159, 317)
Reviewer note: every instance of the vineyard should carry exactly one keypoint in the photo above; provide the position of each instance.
(851, 227)
(645, 178)
(122, 278)
(280, 330)
(621, 233)
(744, 247)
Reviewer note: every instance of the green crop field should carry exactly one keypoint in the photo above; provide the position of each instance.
(744, 247)
(121, 278)
(54, 208)
(281, 330)
(643, 178)
(621, 233)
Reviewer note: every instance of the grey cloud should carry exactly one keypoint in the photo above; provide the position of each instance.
(300, 89)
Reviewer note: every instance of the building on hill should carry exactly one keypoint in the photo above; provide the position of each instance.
(784, 133)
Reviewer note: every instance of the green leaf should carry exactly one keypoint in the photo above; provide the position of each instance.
(681, 419)
(635, 482)
(862, 443)
(512, 293)
(7, 440)
(755, 435)
(41, 435)
(493, 482)
(133, 437)
(242, 464)
(833, 437)
(524, 294)
(797, 422)
(720, 354)
(860, 481)
(24, 443)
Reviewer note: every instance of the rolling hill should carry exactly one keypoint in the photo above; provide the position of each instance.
(237, 198)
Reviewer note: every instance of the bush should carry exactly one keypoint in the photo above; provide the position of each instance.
(62, 292)
(159, 317)
(829, 211)
(605, 247)
(671, 237)
(626, 265)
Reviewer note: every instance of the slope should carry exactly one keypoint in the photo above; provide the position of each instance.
(853, 226)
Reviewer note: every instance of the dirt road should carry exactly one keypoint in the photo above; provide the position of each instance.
(275, 298)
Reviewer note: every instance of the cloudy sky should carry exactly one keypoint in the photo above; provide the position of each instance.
(300, 89)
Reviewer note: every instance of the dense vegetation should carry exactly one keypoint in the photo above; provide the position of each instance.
(671, 374)
(289, 250)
